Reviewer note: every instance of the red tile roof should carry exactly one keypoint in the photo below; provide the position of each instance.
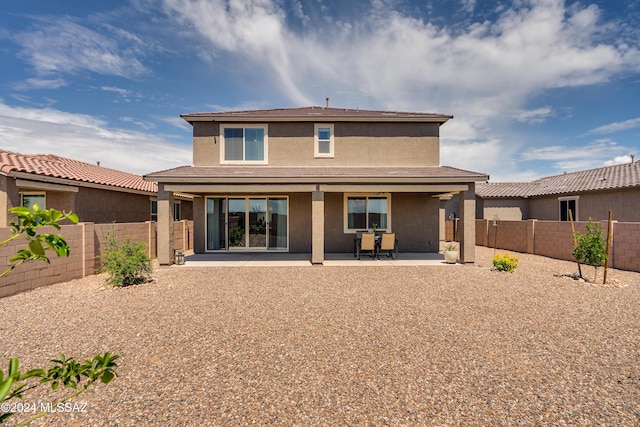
(315, 113)
(60, 167)
(607, 178)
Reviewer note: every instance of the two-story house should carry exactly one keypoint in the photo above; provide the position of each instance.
(306, 180)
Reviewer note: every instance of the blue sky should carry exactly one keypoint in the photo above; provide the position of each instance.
(536, 87)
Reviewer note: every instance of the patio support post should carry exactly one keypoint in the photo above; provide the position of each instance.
(165, 226)
(317, 227)
(468, 225)
(442, 220)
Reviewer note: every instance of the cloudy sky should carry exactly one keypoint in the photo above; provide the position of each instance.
(536, 87)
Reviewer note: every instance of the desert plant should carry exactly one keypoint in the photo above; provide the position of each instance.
(505, 262)
(65, 372)
(451, 247)
(590, 247)
(126, 263)
(26, 227)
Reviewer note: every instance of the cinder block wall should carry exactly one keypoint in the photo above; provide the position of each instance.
(34, 274)
(554, 239)
(626, 238)
(85, 242)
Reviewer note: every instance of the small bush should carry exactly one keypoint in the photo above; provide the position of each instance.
(591, 246)
(505, 262)
(127, 263)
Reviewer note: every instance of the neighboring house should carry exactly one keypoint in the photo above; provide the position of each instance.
(306, 180)
(95, 193)
(588, 194)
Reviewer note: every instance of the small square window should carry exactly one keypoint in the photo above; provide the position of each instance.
(323, 140)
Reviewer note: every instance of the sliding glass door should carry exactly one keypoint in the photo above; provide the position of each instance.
(247, 223)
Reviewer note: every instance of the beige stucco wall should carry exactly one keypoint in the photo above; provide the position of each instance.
(356, 144)
(414, 219)
(103, 206)
(300, 222)
(624, 204)
(505, 209)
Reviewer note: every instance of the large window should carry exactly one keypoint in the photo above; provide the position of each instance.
(323, 140)
(246, 144)
(247, 223)
(30, 199)
(364, 212)
(568, 204)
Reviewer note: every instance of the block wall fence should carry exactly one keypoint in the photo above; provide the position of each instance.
(86, 241)
(554, 239)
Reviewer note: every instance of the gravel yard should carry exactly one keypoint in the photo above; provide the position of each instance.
(315, 346)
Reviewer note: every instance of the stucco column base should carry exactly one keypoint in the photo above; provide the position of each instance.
(317, 227)
(468, 225)
(165, 226)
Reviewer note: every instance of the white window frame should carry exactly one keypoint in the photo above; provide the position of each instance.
(263, 126)
(247, 197)
(316, 140)
(565, 199)
(34, 193)
(345, 216)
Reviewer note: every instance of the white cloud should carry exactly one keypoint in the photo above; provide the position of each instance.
(87, 138)
(600, 149)
(64, 46)
(484, 73)
(620, 160)
(38, 83)
(616, 126)
(538, 115)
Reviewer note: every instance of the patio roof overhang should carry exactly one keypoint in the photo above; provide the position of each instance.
(301, 178)
(307, 188)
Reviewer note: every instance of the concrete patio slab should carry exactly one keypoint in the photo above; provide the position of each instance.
(304, 260)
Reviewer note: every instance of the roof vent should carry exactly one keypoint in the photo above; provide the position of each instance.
(633, 156)
(326, 102)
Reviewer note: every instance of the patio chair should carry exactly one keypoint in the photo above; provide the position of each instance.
(389, 243)
(367, 244)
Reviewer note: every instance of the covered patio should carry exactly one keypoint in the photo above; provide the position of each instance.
(280, 259)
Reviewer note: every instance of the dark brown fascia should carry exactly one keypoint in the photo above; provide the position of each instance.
(314, 118)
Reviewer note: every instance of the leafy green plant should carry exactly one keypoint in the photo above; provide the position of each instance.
(451, 247)
(590, 247)
(65, 372)
(127, 262)
(26, 227)
(505, 262)
(236, 236)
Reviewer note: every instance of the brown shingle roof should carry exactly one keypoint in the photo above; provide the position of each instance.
(316, 174)
(60, 167)
(317, 113)
(607, 178)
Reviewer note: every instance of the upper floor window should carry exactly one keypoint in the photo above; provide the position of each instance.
(244, 144)
(323, 140)
(29, 199)
(568, 204)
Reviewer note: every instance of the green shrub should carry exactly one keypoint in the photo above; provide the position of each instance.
(591, 246)
(505, 262)
(127, 263)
